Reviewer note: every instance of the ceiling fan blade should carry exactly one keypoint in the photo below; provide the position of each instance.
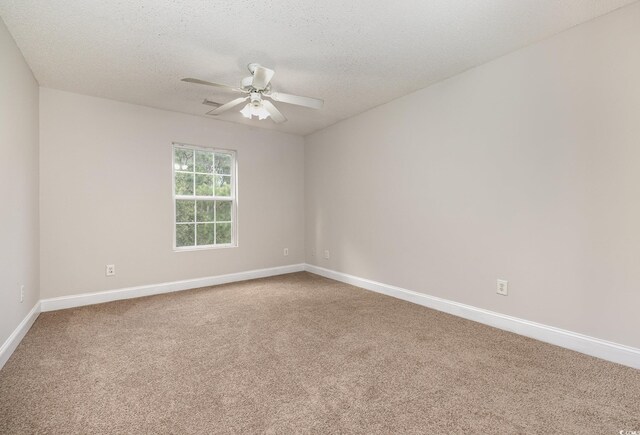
(313, 103)
(231, 104)
(217, 85)
(261, 77)
(273, 112)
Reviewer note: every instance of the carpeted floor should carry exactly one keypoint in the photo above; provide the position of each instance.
(300, 354)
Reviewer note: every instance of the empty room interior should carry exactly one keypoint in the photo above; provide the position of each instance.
(320, 217)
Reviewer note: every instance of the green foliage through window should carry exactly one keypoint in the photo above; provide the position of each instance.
(204, 197)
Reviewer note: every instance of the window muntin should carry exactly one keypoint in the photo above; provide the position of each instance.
(204, 197)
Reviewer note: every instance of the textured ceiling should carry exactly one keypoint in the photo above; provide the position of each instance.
(355, 54)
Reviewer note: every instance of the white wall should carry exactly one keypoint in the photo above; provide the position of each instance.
(105, 182)
(19, 181)
(526, 168)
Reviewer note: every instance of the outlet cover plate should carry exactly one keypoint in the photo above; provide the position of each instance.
(502, 287)
(110, 270)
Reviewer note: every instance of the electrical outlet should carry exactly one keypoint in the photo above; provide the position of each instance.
(502, 287)
(326, 254)
(22, 293)
(286, 251)
(110, 269)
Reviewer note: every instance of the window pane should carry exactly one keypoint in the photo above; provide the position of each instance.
(223, 164)
(204, 161)
(223, 211)
(206, 211)
(183, 159)
(223, 233)
(185, 234)
(204, 185)
(184, 184)
(205, 234)
(203, 173)
(185, 210)
(223, 185)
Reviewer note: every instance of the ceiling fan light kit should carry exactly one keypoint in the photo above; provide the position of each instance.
(255, 108)
(258, 85)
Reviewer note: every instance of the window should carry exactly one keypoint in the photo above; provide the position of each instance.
(204, 197)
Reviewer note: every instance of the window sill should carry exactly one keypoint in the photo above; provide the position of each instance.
(204, 248)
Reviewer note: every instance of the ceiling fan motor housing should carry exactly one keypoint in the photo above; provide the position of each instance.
(247, 82)
(247, 85)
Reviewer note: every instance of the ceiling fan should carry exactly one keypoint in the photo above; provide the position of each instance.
(256, 87)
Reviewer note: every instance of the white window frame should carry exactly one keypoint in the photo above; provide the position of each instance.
(233, 198)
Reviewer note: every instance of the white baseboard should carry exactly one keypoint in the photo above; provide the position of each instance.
(18, 334)
(606, 350)
(618, 353)
(63, 302)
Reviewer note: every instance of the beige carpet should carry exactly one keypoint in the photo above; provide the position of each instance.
(300, 354)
